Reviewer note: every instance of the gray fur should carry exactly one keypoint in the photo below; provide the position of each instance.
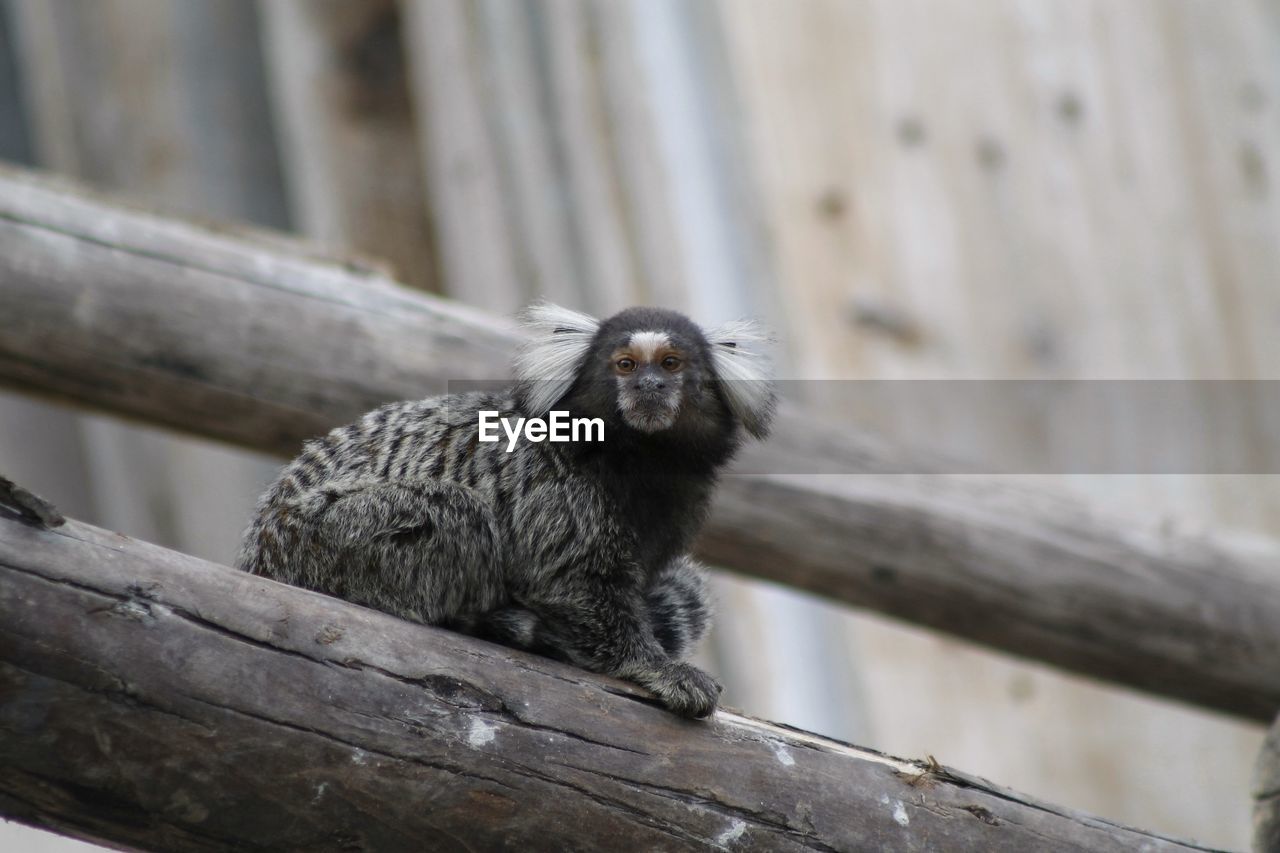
(551, 547)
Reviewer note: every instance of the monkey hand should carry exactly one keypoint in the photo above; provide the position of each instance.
(685, 689)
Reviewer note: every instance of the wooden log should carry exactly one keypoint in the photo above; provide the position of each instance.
(157, 701)
(251, 339)
(1266, 794)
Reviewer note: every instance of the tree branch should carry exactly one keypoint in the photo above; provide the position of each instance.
(155, 700)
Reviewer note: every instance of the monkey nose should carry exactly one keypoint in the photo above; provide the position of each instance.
(651, 383)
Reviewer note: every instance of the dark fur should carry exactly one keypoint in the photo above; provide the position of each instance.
(578, 551)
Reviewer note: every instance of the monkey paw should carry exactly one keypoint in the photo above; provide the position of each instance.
(686, 690)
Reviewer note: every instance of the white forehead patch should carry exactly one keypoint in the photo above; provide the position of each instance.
(646, 344)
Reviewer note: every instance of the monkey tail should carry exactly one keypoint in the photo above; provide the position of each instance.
(679, 606)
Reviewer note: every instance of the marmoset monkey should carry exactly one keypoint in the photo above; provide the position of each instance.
(577, 550)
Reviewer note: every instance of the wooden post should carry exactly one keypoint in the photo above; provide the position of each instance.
(253, 340)
(155, 700)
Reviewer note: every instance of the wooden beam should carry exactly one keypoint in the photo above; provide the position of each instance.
(155, 700)
(253, 339)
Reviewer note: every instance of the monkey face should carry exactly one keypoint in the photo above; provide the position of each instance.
(647, 370)
(650, 371)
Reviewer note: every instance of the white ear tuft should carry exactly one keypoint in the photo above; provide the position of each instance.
(547, 365)
(742, 364)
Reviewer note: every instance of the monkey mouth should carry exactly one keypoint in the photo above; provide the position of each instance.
(649, 412)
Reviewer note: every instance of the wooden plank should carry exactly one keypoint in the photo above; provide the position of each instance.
(159, 701)
(349, 146)
(478, 241)
(269, 345)
(1030, 189)
(15, 141)
(546, 170)
(123, 94)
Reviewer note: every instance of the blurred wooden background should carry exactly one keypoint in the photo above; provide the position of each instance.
(902, 188)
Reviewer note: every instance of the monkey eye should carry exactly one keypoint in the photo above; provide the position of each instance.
(626, 365)
(671, 362)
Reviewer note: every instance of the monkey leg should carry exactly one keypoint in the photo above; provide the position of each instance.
(677, 605)
(423, 550)
(512, 626)
(676, 602)
(605, 627)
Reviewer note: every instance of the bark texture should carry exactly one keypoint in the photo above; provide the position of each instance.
(157, 701)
